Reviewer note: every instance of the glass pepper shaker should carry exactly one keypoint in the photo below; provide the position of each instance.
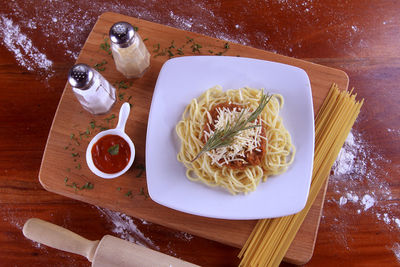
(92, 90)
(130, 54)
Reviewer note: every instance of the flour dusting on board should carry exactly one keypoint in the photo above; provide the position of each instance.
(359, 182)
(125, 227)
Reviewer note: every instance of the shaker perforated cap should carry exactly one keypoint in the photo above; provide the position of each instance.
(80, 76)
(122, 34)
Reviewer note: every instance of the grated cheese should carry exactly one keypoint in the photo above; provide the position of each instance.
(245, 141)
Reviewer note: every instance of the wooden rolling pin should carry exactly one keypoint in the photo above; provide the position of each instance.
(109, 251)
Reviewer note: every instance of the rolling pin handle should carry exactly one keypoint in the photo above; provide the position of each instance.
(58, 237)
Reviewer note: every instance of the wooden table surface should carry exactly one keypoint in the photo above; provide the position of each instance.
(40, 41)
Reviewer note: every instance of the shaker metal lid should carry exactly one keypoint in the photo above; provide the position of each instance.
(80, 76)
(122, 33)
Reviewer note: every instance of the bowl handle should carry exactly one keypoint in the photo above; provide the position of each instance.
(123, 116)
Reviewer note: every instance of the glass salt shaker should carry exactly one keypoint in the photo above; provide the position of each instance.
(92, 90)
(130, 54)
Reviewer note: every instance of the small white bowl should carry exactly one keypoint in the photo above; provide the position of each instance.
(120, 131)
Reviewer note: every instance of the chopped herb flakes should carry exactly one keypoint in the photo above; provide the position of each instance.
(180, 52)
(110, 118)
(100, 66)
(196, 47)
(113, 150)
(189, 40)
(87, 186)
(157, 48)
(122, 84)
(85, 133)
(93, 125)
(106, 46)
(141, 169)
(74, 185)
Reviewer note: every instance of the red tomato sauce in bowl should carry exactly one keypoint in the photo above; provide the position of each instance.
(111, 154)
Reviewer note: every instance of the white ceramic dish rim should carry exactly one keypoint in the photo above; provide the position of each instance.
(180, 202)
(120, 131)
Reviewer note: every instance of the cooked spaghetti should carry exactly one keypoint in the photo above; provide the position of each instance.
(263, 148)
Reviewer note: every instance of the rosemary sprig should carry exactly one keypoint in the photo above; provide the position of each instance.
(224, 137)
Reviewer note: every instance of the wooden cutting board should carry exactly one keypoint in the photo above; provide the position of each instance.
(64, 170)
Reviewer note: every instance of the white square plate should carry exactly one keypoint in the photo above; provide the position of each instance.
(184, 78)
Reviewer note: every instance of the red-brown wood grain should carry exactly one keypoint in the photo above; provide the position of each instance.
(358, 37)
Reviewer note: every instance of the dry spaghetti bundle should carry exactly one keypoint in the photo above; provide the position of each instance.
(271, 238)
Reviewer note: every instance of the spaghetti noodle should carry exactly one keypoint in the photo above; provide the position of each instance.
(271, 238)
(255, 154)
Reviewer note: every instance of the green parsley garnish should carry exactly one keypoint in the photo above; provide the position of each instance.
(123, 85)
(157, 46)
(92, 124)
(87, 186)
(141, 168)
(180, 52)
(99, 66)
(224, 137)
(113, 150)
(106, 46)
(196, 47)
(172, 44)
(110, 118)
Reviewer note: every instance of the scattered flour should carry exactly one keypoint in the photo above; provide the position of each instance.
(125, 227)
(396, 251)
(394, 131)
(22, 47)
(367, 201)
(64, 26)
(342, 201)
(360, 183)
(187, 23)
